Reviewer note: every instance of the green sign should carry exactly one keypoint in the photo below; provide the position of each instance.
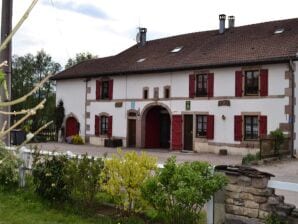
(187, 105)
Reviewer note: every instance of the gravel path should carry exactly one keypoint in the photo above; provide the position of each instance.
(161, 154)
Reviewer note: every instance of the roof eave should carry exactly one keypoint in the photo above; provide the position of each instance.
(183, 68)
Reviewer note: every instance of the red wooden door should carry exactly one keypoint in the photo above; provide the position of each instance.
(177, 132)
(71, 126)
(152, 133)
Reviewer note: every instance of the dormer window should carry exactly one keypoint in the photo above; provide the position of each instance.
(141, 60)
(279, 31)
(176, 49)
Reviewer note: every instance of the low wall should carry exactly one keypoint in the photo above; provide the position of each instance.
(248, 200)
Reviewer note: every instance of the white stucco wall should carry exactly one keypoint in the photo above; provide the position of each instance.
(73, 93)
(129, 88)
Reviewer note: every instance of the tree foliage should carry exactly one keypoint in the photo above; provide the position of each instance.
(26, 72)
(59, 115)
(123, 177)
(179, 191)
(80, 57)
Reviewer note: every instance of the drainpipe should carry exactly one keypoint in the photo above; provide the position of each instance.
(86, 93)
(292, 131)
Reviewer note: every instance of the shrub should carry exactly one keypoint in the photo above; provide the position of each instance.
(49, 177)
(274, 219)
(9, 168)
(123, 176)
(178, 192)
(246, 160)
(77, 140)
(83, 176)
(279, 138)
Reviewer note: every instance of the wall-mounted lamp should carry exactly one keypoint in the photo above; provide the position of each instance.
(223, 117)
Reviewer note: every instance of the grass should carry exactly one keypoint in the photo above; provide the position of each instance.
(22, 207)
(25, 207)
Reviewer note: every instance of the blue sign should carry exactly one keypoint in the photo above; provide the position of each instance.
(133, 105)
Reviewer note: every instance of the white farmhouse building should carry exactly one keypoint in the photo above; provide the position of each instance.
(204, 91)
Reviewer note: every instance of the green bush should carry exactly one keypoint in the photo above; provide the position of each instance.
(123, 177)
(49, 177)
(179, 192)
(279, 138)
(77, 140)
(83, 176)
(9, 168)
(274, 219)
(246, 160)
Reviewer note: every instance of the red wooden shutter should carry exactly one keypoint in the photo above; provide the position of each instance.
(238, 128)
(177, 132)
(210, 127)
(238, 83)
(98, 86)
(192, 79)
(110, 126)
(111, 89)
(263, 126)
(96, 125)
(264, 82)
(210, 84)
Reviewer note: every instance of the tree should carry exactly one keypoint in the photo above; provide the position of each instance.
(59, 115)
(27, 71)
(79, 58)
(179, 191)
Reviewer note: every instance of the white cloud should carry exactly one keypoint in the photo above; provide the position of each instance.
(63, 32)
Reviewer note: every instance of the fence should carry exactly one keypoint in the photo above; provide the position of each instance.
(47, 135)
(269, 147)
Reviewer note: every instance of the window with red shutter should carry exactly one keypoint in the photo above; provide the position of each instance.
(98, 89)
(263, 126)
(264, 82)
(111, 89)
(191, 86)
(177, 132)
(210, 127)
(210, 84)
(110, 126)
(238, 128)
(238, 83)
(96, 125)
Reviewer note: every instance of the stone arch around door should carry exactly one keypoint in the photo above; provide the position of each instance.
(156, 126)
(72, 125)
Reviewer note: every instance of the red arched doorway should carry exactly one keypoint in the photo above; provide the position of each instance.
(157, 128)
(72, 127)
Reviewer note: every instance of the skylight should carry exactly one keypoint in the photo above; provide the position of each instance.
(141, 60)
(177, 49)
(279, 31)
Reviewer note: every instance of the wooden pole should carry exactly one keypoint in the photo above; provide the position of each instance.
(5, 55)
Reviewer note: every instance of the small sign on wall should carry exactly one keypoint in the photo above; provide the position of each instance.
(187, 105)
(226, 103)
(133, 105)
(118, 104)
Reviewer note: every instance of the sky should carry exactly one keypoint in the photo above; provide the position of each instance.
(106, 27)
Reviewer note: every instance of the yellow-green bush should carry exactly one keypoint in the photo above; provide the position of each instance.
(123, 176)
(77, 140)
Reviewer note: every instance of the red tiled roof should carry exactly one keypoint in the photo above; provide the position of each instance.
(249, 44)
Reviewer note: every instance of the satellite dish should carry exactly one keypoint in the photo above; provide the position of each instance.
(138, 37)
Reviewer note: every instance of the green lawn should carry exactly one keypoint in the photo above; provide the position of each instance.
(23, 207)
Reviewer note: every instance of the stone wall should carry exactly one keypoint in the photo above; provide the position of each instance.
(248, 200)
